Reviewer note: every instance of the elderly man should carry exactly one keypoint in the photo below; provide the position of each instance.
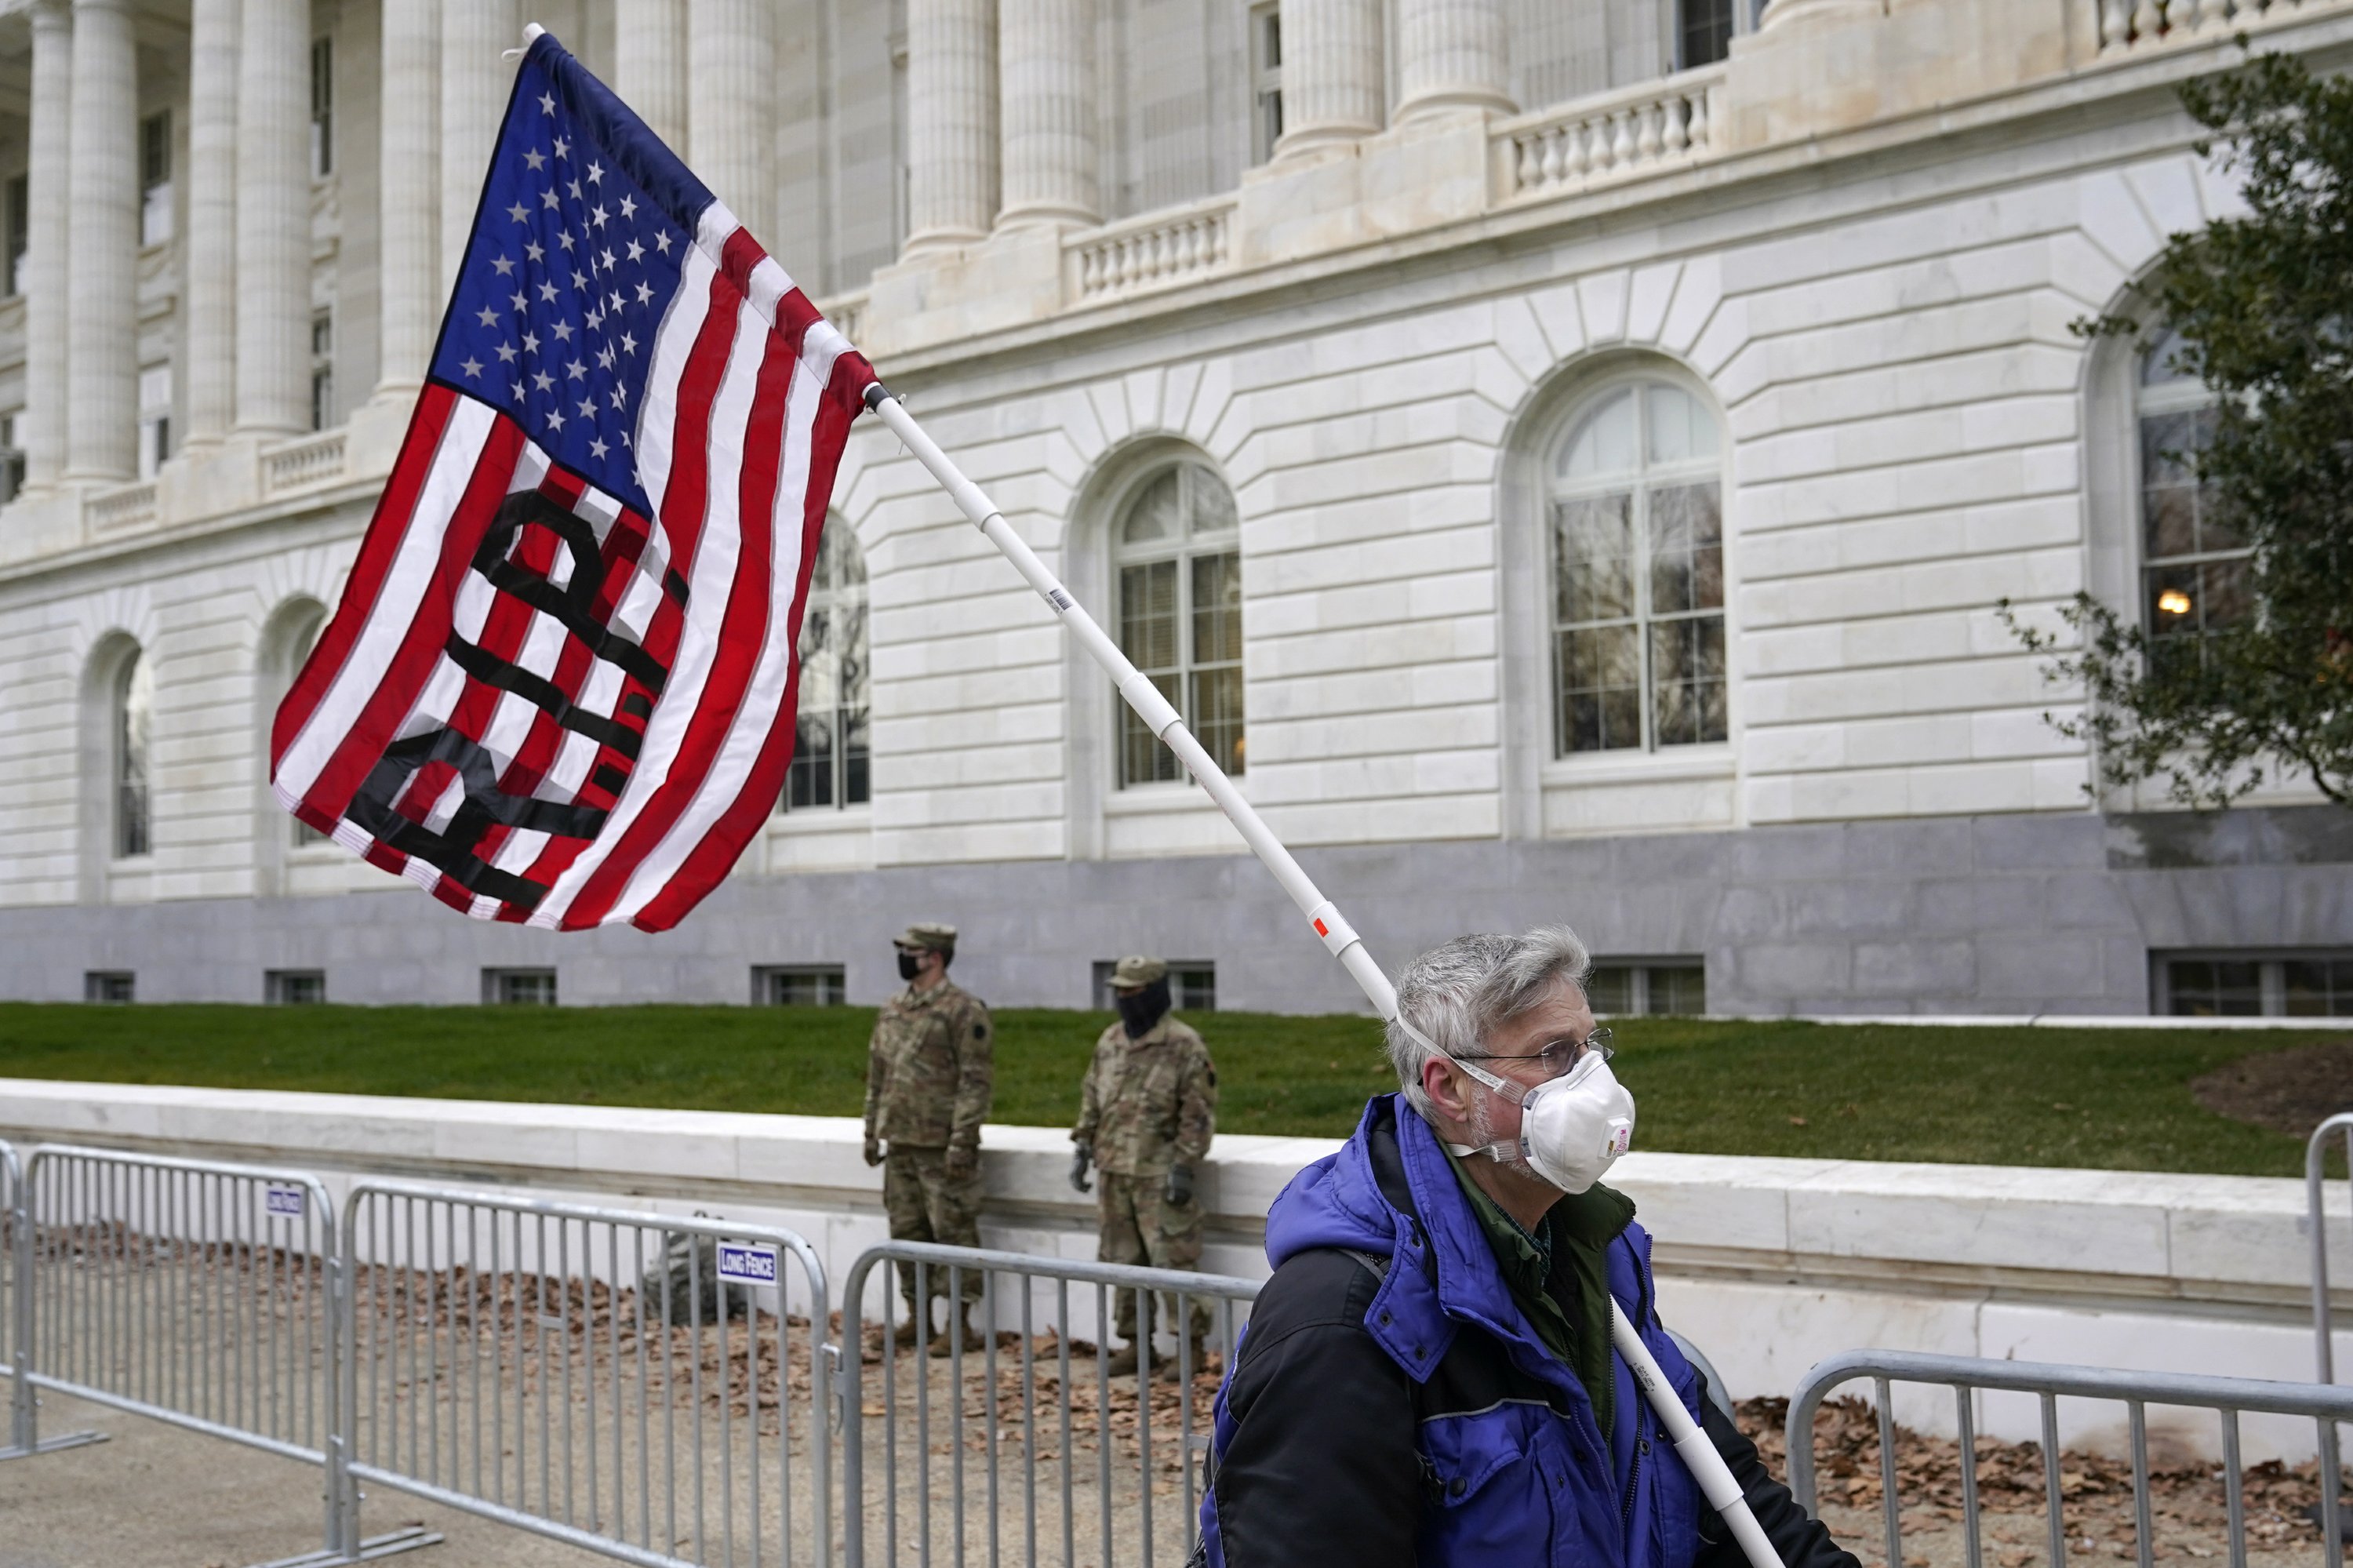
(1428, 1376)
(930, 1070)
(1146, 1114)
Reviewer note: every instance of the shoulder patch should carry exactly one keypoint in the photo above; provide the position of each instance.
(1213, 1077)
(980, 1032)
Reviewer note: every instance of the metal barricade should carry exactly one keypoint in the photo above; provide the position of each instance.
(646, 1386)
(201, 1294)
(2227, 1397)
(17, 1321)
(1034, 1392)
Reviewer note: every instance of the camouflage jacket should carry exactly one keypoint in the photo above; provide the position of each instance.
(1151, 1103)
(930, 1069)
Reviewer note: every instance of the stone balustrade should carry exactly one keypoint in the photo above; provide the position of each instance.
(848, 314)
(125, 506)
(2141, 23)
(1609, 136)
(1158, 252)
(298, 465)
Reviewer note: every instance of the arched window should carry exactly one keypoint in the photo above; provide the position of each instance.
(1178, 555)
(303, 623)
(2193, 564)
(1637, 569)
(133, 728)
(830, 755)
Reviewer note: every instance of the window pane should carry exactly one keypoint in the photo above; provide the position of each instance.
(1593, 559)
(1153, 517)
(1212, 503)
(1147, 614)
(1707, 29)
(855, 781)
(1679, 988)
(1599, 679)
(1217, 716)
(1686, 550)
(2319, 988)
(1218, 608)
(1682, 429)
(2206, 988)
(1604, 443)
(1610, 989)
(134, 726)
(1193, 988)
(810, 780)
(1687, 673)
(2160, 366)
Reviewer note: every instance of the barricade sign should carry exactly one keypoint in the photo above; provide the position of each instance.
(284, 1203)
(747, 1262)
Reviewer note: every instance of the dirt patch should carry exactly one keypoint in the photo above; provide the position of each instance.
(2290, 1091)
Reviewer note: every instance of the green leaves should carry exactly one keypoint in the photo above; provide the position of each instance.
(2260, 304)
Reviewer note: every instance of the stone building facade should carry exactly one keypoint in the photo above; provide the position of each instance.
(1564, 454)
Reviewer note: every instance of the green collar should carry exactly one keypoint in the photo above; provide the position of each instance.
(1559, 1275)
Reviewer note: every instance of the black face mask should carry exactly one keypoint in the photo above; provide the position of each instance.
(910, 964)
(1139, 1011)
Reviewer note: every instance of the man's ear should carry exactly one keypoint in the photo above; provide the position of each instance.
(1442, 1082)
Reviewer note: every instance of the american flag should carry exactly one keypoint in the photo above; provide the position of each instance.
(560, 687)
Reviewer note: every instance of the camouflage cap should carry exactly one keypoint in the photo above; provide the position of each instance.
(1138, 969)
(928, 933)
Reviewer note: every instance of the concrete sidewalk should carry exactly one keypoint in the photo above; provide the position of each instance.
(162, 1497)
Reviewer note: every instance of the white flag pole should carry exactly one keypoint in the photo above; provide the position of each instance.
(1697, 1451)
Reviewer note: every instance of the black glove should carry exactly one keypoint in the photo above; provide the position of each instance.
(873, 1149)
(1179, 1189)
(1082, 1157)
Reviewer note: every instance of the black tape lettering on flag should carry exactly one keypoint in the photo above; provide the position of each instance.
(485, 806)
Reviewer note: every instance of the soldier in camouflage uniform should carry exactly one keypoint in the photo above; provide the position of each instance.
(929, 1073)
(1146, 1115)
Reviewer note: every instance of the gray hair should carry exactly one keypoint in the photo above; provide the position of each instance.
(1459, 992)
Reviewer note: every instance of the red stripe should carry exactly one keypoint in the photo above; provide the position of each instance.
(395, 512)
(421, 647)
(720, 848)
(743, 634)
(683, 511)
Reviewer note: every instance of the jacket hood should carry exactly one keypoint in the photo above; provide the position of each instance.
(1390, 1192)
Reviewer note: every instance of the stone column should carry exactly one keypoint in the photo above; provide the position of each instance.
(475, 83)
(1451, 57)
(103, 247)
(1046, 49)
(42, 431)
(650, 64)
(1330, 72)
(409, 194)
(273, 219)
(211, 333)
(951, 123)
(731, 128)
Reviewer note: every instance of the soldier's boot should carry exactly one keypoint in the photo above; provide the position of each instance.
(910, 1332)
(1124, 1360)
(941, 1344)
(1197, 1357)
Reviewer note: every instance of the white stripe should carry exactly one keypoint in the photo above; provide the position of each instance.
(658, 412)
(396, 599)
(708, 595)
(755, 715)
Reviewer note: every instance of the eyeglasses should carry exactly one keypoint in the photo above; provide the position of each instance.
(1557, 1057)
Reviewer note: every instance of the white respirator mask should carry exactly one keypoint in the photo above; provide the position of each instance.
(1572, 1128)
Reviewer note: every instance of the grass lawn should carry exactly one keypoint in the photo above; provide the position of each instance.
(2116, 1098)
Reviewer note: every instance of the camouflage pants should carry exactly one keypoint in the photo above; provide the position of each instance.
(1134, 1223)
(924, 1205)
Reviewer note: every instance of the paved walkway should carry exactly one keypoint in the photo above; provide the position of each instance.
(159, 1496)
